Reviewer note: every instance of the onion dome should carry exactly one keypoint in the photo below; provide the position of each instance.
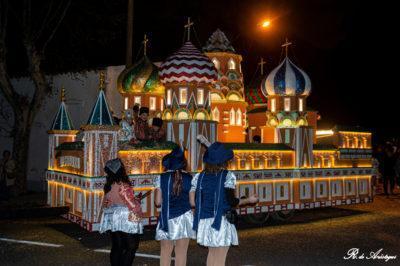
(287, 79)
(254, 95)
(188, 64)
(142, 77)
(218, 43)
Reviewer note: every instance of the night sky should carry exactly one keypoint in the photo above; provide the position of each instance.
(348, 48)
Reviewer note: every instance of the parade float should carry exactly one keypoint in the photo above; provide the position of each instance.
(296, 166)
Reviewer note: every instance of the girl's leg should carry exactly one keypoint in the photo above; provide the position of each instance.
(166, 250)
(131, 244)
(220, 256)
(211, 256)
(181, 251)
(116, 248)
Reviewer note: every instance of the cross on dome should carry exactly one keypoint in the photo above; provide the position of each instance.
(286, 46)
(187, 27)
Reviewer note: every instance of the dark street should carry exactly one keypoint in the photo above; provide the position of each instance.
(312, 237)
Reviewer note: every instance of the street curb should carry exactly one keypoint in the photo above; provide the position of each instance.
(33, 212)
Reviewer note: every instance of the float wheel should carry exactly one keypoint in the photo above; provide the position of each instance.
(257, 218)
(282, 215)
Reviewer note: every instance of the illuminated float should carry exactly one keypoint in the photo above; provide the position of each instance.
(295, 167)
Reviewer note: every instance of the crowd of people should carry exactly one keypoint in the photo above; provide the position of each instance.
(199, 207)
(386, 161)
(135, 126)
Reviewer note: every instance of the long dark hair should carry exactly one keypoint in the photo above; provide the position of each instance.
(177, 180)
(119, 177)
(215, 168)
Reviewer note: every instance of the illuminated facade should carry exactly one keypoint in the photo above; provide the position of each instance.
(295, 167)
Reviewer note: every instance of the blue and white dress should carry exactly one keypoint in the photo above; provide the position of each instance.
(213, 229)
(176, 218)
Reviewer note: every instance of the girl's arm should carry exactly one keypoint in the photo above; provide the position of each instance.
(158, 198)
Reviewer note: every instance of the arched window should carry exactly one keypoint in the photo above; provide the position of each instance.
(167, 115)
(233, 97)
(182, 115)
(216, 63)
(215, 114)
(201, 116)
(232, 117)
(238, 117)
(231, 64)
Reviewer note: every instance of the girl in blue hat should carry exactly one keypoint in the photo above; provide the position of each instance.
(176, 219)
(213, 194)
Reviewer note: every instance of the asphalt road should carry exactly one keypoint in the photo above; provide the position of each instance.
(312, 237)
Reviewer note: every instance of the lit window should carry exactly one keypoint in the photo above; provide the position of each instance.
(215, 114)
(273, 105)
(200, 96)
(232, 117)
(216, 63)
(182, 115)
(152, 103)
(200, 116)
(301, 105)
(182, 95)
(161, 104)
(287, 104)
(238, 117)
(231, 64)
(169, 97)
(138, 100)
(126, 103)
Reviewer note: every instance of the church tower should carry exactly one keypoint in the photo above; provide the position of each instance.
(188, 76)
(228, 106)
(61, 131)
(287, 88)
(100, 136)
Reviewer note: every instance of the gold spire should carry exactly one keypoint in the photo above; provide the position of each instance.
(262, 63)
(145, 41)
(286, 46)
(187, 26)
(102, 80)
(62, 96)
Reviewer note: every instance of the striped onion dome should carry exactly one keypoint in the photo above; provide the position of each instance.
(286, 79)
(188, 64)
(142, 77)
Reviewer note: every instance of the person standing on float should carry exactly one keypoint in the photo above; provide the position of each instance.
(120, 214)
(176, 219)
(213, 194)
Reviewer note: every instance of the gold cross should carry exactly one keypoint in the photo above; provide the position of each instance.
(262, 63)
(286, 46)
(62, 97)
(145, 41)
(102, 80)
(187, 26)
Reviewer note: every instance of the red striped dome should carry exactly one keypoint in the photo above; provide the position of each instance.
(188, 64)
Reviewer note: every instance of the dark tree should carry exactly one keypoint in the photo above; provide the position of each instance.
(37, 24)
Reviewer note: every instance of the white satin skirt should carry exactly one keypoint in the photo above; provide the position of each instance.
(178, 228)
(115, 218)
(224, 237)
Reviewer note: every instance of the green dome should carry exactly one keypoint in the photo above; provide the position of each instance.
(142, 77)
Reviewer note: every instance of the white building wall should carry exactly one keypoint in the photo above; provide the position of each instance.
(81, 93)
